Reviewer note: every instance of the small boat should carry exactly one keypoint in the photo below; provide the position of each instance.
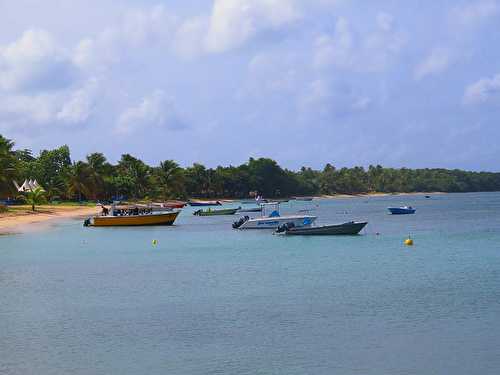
(427, 196)
(210, 212)
(174, 204)
(349, 228)
(405, 210)
(253, 209)
(196, 203)
(271, 219)
(305, 199)
(131, 216)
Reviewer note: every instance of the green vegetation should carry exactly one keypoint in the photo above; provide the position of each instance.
(96, 178)
(35, 197)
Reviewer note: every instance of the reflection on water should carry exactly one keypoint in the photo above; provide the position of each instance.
(209, 299)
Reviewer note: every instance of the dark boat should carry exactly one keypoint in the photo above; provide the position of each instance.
(204, 203)
(210, 212)
(255, 209)
(405, 210)
(349, 228)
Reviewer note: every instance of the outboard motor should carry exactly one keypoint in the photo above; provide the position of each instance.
(284, 227)
(197, 213)
(240, 222)
(86, 222)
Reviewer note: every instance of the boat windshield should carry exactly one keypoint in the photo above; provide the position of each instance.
(270, 209)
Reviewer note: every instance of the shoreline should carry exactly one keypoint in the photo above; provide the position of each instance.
(22, 219)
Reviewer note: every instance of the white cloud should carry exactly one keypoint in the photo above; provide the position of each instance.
(370, 52)
(233, 22)
(34, 62)
(482, 90)
(80, 105)
(437, 62)
(138, 28)
(326, 98)
(156, 110)
(474, 13)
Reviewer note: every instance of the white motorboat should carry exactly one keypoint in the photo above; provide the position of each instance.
(271, 219)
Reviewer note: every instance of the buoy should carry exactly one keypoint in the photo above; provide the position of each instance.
(155, 242)
(409, 241)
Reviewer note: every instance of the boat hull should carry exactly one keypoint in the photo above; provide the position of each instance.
(230, 211)
(203, 204)
(167, 218)
(329, 230)
(275, 222)
(401, 211)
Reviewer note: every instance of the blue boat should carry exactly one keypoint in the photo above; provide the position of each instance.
(405, 210)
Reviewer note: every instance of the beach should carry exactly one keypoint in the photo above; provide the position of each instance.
(21, 218)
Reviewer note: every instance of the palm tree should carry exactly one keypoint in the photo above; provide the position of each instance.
(35, 197)
(170, 177)
(8, 164)
(80, 180)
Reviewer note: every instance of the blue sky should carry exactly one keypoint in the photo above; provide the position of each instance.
(412, 83)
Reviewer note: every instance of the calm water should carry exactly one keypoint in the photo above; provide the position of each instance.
(211, 300)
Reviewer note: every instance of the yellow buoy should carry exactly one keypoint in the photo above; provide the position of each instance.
(409, 242)
(155, 242)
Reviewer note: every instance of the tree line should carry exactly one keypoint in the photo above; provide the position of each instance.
(96, 178)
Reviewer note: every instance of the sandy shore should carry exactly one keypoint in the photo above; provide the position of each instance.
(22, 219)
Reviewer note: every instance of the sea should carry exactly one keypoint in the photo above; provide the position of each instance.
(202, 298)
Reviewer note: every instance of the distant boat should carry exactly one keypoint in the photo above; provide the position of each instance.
(210, 212)
(349, 228)
(427, 196)
(405, 210)
(305, 199)
(253, 209)
(196, 203)
(131, 216)
(174, 204)
(273, 220)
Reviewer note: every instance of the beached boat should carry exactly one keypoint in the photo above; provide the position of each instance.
(174, 204)
(195, 203)
(271, 219)
(121, 218)
(405, 210)
(210, 212)
(349, 228)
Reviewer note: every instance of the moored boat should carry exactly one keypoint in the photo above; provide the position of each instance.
(252, 209)
(273, 219)
(305, 199)
(404, 210)
(142, 219)
(196, 203)
(349, 228)
(210, 212)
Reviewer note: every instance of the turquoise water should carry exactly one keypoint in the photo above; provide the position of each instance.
(211, 300)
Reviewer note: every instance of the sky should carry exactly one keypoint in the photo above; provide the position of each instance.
(305, 82)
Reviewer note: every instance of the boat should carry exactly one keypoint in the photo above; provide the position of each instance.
(131, 216)
(349, 228)
(252, 209)
(196, 203)
(271, 219)
(174, 204)
(404, 210)
(210, 212)
(305, 199)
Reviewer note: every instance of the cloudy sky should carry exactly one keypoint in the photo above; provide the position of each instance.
(216, 81)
